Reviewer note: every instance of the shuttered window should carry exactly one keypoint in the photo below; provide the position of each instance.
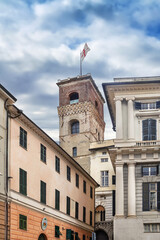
(77, 210)
(23, 138)
(43, 192)
(22, 181)
(23, 222)
(149, 129)
(57, 164)
(43, 153)
(91, 218)
(84, 214)
(84, 186)
(68, 173)
(57, 199)
(68, 205)
(77, 180)
(158, 196)
(91, 192)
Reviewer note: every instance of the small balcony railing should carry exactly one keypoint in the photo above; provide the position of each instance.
(148, 143)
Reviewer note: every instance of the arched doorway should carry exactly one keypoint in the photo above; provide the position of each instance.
(42, 237)
(99, 214)
(101, 235)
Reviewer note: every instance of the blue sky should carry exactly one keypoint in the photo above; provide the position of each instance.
(40, 42)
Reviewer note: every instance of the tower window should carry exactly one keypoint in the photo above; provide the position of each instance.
(74, 150)
(96, 104)
(74, 97)
(74, 127)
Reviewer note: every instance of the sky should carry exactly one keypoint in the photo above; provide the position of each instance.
(41, 40)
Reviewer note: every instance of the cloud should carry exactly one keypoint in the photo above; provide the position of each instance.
(40, 42)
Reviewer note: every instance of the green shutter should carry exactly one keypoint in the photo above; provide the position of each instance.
(43, 192)
(57, 232)
(145, 196)
(84, 214)
(68, 205)
(23, 181)
(23, 222)
(77, 210)
(158, 196)
(57, 199)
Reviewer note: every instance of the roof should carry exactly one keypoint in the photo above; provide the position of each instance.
(81, 78)
(8, 93)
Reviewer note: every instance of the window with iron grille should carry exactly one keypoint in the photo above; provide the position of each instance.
(23, 222)
(22, 181)
(57, 164)
(23, 138)
(43, 153)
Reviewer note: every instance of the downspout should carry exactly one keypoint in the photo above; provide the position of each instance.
(6, 185)
(7, 164)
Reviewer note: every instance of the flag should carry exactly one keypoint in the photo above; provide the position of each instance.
(86, 49)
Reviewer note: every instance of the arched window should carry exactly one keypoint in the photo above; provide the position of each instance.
(74, 97)
(75, 127)
(149, 129)
(100, 213)
(96, 104)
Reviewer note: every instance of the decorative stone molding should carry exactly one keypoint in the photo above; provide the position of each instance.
(118, 99)
(130, 98)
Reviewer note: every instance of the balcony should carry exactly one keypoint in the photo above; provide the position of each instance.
(148, 143)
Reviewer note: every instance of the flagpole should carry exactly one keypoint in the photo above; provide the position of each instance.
(80, 65)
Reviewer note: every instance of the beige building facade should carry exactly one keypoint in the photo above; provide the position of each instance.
(50, 196)
(134, 105)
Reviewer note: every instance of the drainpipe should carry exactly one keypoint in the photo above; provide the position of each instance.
(6, 184)
(19, 112)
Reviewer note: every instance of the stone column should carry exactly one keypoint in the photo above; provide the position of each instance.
(119, 190)
(130, 118)
(131, 190)
(119, 126)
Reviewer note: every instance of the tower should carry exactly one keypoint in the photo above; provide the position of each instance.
(81, 118)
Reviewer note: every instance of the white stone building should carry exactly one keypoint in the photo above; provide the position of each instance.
(134, 105)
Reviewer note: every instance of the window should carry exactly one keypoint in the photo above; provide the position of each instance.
(104, 153)
(91, 192)
(68, 173)
(84, 186)
(57, 232)
(84, 237)
(76, 236)
(150, 171)
(151, 196)
(151, 105)
(57, 164)
(43, 192)
(23, 222)
(69, 234)
(113, 179)
(91, 218)
(43, 153)
(149, 129)
(74, 152)
(151, 227)
(77, 210)
(57, 199)
(22, 181)
(96, 104)
(104, 159)
(23, 138)
(68, 205)
(74, 97)
(84, 214)
(104, 178)
(100, 213)
(77, 180)
(75, 127)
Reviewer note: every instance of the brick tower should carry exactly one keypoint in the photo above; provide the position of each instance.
(81, 119)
